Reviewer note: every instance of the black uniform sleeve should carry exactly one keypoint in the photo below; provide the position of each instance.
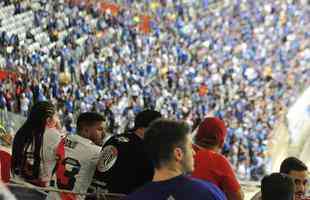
(124, 166)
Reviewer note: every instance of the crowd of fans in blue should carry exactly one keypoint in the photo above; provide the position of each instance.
(243, 61)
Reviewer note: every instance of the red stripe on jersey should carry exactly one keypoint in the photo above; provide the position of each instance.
(60, 172)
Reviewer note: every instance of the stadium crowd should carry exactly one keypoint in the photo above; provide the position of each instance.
(158, 159)
(244, 62)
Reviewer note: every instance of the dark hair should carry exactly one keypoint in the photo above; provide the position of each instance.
(144, 118)
(162, 137)
(88, 119)
(31, 134)
(277, 186)
(292, 163)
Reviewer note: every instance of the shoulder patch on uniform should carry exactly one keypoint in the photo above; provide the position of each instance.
(108, 158)
(171, 198)
(123, 139)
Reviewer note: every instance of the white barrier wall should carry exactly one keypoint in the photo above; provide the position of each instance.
(299, 127)
(293, 137)
(298, 118)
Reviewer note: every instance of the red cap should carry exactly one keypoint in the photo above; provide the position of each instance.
(211, 131)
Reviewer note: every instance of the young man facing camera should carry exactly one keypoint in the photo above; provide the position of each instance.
(298, 171)
(169, 146)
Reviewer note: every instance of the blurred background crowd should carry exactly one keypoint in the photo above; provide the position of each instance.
(243, 61)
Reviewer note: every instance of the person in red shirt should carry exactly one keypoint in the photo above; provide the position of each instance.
(210, 165)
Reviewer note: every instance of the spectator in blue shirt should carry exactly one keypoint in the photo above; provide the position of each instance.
(169, 146)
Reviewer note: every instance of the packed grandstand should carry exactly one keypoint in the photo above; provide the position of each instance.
(245, 62)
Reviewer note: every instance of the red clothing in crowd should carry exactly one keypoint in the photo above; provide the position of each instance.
(5, 166)
(214, 167)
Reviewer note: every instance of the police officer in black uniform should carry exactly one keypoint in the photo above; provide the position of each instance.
(124, 166)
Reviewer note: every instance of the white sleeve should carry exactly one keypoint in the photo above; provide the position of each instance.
(5, 193)
(51, 139)
(96, 154)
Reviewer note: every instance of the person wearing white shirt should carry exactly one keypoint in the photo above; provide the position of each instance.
(78, 156)
(24, 104)
(34, 145)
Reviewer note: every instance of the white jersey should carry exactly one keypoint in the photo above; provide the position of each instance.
(51, 139)
(76, 167)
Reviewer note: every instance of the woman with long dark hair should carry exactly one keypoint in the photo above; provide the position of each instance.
(33, 153)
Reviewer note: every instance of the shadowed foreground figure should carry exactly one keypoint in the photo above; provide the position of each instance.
(124, 165)
(277, 186)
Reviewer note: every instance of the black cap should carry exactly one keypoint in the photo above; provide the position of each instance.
(144, 118)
